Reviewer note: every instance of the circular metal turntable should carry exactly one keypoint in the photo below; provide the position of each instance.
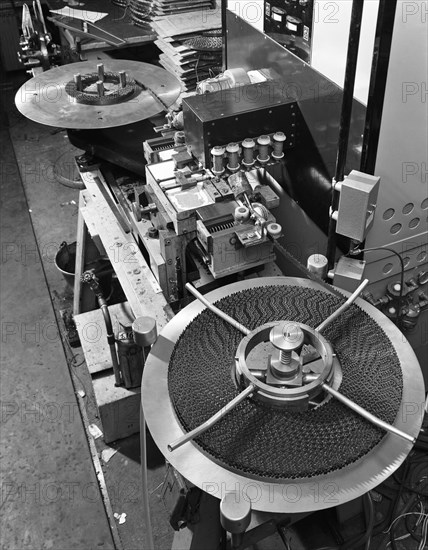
(286, 459)
(90, 96)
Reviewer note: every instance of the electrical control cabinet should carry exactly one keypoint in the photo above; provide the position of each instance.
(290, 23)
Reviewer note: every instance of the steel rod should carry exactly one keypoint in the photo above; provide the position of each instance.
(345, 118)
(378, 80)
(223, 7)
(106, 32)
(367, 415)
(343, 307)
(217, 311)
(213, 420)
(41, 17)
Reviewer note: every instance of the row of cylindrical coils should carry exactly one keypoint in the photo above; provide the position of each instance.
(245, 153)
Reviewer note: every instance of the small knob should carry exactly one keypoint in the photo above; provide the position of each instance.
(241, 214)
(235, 516)
(274, 230)
(263, 140)
(248, 143)
(287, 336)
(218, 151)
(318, 265)
(179, 138)
(145, 331)
(232, 148)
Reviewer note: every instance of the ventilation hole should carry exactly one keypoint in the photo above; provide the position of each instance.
(387, 268)
(406, 261)
(408, 208)
(387, 215)
(424, 204)
(396, 228)
(421, 257)
(414, 223)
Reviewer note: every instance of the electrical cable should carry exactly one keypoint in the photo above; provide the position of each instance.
(124, 13)
(376, 248)
(412, 530)
(370, 523)
(414, 480)
(424, 534)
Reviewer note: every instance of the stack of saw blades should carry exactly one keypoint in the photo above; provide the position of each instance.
(191, 44)
(120, 3)
(192, 58)
(141, 12)
(171, 7)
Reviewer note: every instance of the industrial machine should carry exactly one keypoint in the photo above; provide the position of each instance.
(271, 397)
(37, 50)
(246, 401)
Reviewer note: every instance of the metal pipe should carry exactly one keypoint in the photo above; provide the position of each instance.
(213, 420)
(110, 339)
(367, 415)
(90, 278)
(217, 311)
(349, 85)
(345, 118)
(223, 7)
(378, 78)
(343, 307)
(144, 482)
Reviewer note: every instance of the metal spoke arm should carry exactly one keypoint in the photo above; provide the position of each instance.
(216, 310)
(213, 420)
(343, 307)
(363, 412)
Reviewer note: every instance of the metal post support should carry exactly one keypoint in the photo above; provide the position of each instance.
(345, 118)
(379, 72)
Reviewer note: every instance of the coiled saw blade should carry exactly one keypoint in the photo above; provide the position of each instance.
(283, 461)
(44, 98)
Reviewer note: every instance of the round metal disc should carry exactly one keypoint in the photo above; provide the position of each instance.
(44, 99)
(298, 495)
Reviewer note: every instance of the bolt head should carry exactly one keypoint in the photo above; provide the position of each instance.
(287, 336)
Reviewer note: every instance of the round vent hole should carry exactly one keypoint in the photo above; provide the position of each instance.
(387, 215)
(414, 223)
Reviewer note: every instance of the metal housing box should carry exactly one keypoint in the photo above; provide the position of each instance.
(357, 205)
(348, 273)
(232, 115)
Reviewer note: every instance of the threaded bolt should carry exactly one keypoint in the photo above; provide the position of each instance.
(285, 357)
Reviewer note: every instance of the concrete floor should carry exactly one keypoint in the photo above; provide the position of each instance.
(39, 214)
(50, 496)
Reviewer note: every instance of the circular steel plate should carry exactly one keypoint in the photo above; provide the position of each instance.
(298, 495)
(44, 99)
